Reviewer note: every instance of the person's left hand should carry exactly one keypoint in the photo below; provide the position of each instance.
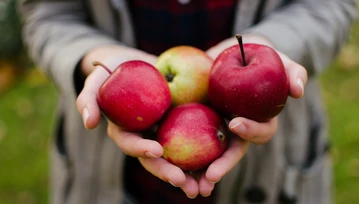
(245, 130)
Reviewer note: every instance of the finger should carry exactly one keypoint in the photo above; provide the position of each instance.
(190, 187)
(258, 133)
(297, 76)
(164, 170)
(86, 101)
(133, 144)
(205, 186)
(235, 151)
(214, 51)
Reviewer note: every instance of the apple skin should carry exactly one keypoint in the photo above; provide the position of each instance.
(257, 91)
(135, 96)
(192, 136)
(186, 69)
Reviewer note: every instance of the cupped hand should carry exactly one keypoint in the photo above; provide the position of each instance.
(133, 144)
(199, 182)
(249, 130)
(245, 130)
(111, 56)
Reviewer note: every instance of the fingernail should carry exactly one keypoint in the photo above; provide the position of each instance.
(85, 116)
(191, 197)
(213, 182)
(170, 182)
(301, 84)
(150, 155)
(207, 195)
(238, 128)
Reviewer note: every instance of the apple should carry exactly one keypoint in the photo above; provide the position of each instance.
(192, 136)
(186, 69)
(248, 80)
(135, 96)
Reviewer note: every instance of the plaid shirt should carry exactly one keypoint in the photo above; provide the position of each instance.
(160, 25)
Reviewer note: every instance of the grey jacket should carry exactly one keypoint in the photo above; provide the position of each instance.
(294, 165)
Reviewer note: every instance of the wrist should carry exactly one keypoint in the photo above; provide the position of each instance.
(247, 38)
(97, 54)
(257, 38)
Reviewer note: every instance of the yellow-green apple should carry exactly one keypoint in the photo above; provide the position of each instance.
(249, 81)
(192, 136)
(135, 96)
(186, 69)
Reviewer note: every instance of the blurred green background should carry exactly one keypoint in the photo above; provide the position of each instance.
(28, 102)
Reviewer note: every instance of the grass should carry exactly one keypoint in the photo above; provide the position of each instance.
(26, 112)
(341, 93)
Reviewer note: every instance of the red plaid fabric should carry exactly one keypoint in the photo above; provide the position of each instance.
(160, 25)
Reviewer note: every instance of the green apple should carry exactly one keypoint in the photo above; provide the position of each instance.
(186, 70)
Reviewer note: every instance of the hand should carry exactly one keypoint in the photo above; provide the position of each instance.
(246, 130)
(260, 133)
(132, 144)
(201, 182)
(111, 56)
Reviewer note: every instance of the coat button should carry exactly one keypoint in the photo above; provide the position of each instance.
(255, 194)
(184, 2)
(286, 199)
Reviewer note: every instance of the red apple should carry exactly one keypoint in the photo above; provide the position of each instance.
(135, 96)
(186, 69)
(192, 136)
(254, 85)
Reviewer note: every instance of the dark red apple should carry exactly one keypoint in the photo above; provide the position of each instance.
(253, 85)
(192, 136)
(135, 96)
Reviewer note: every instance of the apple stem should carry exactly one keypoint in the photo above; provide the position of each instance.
(240, 42)
(97, 63)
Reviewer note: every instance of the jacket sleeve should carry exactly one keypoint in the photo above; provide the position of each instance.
(58, 36)
(310, 32)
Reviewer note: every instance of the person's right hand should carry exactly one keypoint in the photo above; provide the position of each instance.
(130, 143)
(111, 56)
(148, 151)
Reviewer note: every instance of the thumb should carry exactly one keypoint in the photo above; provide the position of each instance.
(86, 101)
(297, 76)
